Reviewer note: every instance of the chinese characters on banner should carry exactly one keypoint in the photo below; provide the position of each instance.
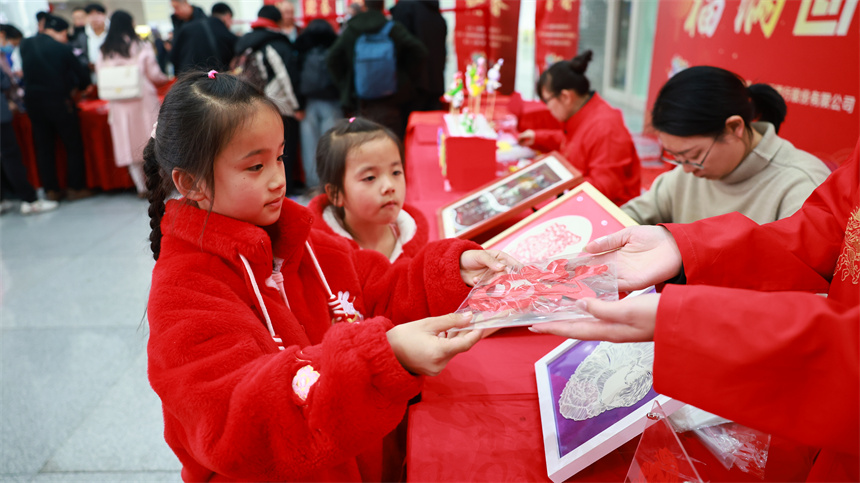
(556, 31)
(501, 17)
(808, 50)
(325, 9)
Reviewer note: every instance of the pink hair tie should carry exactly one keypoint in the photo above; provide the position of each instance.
(351, 119)
(212, 73)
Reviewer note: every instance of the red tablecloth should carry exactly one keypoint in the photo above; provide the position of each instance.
(102, 172)
(480, 421)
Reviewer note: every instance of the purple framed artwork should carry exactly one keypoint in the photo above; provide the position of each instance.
(594, 397)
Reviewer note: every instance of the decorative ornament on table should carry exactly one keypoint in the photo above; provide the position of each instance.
(454, 96)
(493, 84)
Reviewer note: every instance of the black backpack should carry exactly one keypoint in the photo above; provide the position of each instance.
(250, 66)
(315, 78)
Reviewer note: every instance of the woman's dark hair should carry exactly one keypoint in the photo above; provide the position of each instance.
(197, 119)
(697, 101)
(317, 33)
(334, 146)
(120, 35)
(567, 74)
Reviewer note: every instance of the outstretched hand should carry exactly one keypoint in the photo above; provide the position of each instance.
(474, 264)
(419, 348)
(645, 256)
(628, 320)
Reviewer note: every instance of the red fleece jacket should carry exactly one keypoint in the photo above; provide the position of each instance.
(410, 248)
(596, 142)
(230, 412)
(757, 345)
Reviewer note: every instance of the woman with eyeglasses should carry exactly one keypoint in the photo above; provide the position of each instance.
(594, 138)
(722, 135)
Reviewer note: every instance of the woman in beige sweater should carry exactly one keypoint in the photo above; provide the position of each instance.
(704, 117)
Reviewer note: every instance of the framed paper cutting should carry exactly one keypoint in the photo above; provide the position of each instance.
(565, 225)
(594, 397)
(497, 201)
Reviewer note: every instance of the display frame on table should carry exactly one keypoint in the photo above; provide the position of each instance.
(580, 443)
(583, 210)
(553, 166)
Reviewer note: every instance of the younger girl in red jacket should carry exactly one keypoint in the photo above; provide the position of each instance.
(360, 166)
(278, 352)
(593, 137)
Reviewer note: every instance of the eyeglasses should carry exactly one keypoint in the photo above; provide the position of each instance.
(546, 101)
(673, 159)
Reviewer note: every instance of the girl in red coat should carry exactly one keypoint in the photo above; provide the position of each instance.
(594, 138)
(360, 165)
(277, 351)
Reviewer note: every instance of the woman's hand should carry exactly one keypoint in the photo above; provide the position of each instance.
(645, 255)
(474, 264)
(420, 349)
(526, 138)
(628, 320)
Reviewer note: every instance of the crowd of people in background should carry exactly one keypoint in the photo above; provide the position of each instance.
(307, 70)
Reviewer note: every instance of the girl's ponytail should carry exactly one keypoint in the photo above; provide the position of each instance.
(768, 104)
(157, 196)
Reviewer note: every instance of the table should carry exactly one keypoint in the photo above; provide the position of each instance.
(479, 420)
(101, 169)
(424, 183)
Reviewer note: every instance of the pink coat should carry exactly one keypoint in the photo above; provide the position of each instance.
(131, 120)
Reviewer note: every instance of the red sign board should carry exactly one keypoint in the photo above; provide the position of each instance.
(809, 50)
(556, 31)
(325, 9)
(475, 18)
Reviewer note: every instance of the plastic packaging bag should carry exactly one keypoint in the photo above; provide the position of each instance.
(542, 291)
(734, 444)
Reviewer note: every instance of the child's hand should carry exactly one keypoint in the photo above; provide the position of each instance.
(421, 350)
(475, 263)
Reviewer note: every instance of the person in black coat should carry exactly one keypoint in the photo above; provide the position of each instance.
(266, 32)
(205, 43)
(51, 74)
(423, 19)
(183, 13)
(410, 53)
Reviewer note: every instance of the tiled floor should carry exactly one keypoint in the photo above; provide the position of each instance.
(75, 404)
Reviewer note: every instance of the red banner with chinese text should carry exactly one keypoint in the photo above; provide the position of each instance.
(808, 50)
(556, 31)
(325, 9)
(501, 18)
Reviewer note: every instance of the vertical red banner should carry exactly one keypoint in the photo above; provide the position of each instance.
(809, 50)
(556, 31)
(475, 18)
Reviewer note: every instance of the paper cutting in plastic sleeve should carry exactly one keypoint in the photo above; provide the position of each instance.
(542, 291)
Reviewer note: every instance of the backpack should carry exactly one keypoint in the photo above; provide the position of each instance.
(253, 65)
(315, 78)
(249, 66)
(375, 65)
